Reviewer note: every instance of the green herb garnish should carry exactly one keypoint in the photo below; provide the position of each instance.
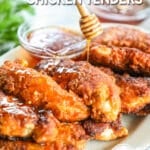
(12, 14)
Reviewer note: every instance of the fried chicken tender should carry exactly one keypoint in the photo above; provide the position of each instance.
(135, 92)
(120, 59)
(16, 119)
(59, 135)
(41, 91)
(53, 135)
(47, 127)
(97, 89)
(72, 136)
(125, 37)
(105, 131)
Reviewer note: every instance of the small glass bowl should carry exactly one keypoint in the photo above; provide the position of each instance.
(125, 14)
(42, 52)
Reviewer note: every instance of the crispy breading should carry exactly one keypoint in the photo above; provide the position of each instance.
(120, 59)
(121, 49)
(68, 136)
(105, 131)
(72, 136)
(125, 37)
(16, 118)
(135, 92)
(97, 89)
(18, 121)
(47, 127)
(41, 91)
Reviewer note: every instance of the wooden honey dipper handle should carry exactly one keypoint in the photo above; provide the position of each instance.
(89, 24)
(82, 10)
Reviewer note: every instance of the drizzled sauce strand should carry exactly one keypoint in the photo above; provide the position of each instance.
(89, 24)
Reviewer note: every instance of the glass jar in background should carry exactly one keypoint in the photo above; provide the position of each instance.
(128, 14)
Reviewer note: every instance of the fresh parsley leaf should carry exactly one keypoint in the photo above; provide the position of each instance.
(12, 14)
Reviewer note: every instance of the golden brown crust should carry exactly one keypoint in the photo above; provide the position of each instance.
(47, 127)
(105, 131)
(16, 118)
(96, 88)
(121, 59)
(48, 131)
(41, 91)
(71, 136)
(59, 135)
(135, 92)
(125, 37)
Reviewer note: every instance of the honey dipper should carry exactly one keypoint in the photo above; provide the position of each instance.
(89, 24)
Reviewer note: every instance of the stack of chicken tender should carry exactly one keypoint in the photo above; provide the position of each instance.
(62, 104)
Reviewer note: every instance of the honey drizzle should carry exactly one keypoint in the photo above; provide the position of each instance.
(88, 49)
